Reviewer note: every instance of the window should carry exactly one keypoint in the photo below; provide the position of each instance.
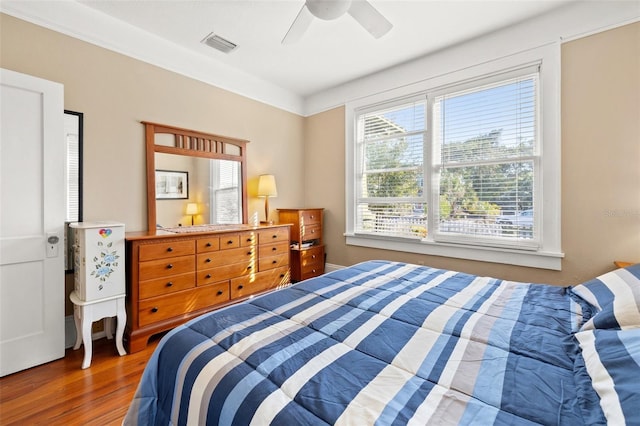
(487, 164)
(453, 166)
(225, 192)
(390, 143)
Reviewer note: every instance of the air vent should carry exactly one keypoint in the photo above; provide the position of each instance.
(217, 42)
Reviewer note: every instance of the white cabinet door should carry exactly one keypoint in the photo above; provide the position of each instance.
(32, 213)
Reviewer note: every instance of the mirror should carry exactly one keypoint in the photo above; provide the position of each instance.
(194, 178)
(212, 185)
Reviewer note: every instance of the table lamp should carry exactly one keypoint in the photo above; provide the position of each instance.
(267, 188)
(192, 210)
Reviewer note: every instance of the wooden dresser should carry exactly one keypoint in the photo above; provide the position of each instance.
(307, 253)
(174, 277)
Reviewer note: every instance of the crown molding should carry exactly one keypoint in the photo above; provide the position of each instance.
(84, 23)
(573, 21)
(576, 20)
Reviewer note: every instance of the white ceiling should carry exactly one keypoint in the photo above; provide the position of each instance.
(311, 75)
(331, 52)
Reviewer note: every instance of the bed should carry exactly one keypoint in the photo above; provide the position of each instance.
(393, 343)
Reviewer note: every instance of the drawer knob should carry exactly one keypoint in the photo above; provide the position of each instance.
(281, 275)
(274, 262)
(208, 260)
(208, 245)
(248, 267)
(313, 256)
(208, 276)
(169, 249)
(154, 309)
(240, 287)
(230, 242)
(249, 253)
(274, 249)
(220, 292)
(274, 236)
(169, 284)
(249, 240)
(169, 266)
(311, 217)
(313, 270)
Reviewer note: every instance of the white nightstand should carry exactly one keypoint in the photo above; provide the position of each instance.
(85, 313)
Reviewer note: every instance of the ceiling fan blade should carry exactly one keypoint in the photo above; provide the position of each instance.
(299, 26)
(369, 17)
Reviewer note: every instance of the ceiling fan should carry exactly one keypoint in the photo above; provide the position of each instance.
(361, 10)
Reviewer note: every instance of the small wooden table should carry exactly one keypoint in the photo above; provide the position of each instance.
(85, 313)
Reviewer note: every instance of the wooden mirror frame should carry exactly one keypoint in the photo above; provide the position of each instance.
(193, 144)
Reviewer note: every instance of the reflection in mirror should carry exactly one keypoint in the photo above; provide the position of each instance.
(215, 171)
(226, 192)
(214, 186)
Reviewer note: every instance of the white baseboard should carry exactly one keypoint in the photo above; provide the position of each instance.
(330, 267)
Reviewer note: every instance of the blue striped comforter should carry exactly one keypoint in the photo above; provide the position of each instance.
(377, 343)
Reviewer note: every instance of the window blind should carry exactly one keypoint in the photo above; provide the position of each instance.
(390, 183)
(486, 142)
(73, 177)
(225, 178)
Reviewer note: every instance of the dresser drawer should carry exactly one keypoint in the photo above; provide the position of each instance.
(310, 217)
(166, 267)
(273, 235)
(208, 244)
(248, 239)
(312, 262)
(175, 304)
(309, 274)
(225, 272)
(310, 232)
(165, 249)
(221, 258)
(312, 255)
(273, 249)
(170, 284)
(311, 270)
(265, 263)
(250, 284)
(229, 241)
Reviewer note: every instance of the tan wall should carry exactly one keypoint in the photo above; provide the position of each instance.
(600, 137)
(600, 167)
(116, 92)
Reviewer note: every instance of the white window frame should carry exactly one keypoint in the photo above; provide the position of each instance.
(547, 253)
(433, 214)
(415, 98)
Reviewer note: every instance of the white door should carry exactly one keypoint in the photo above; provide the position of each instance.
(32, 212)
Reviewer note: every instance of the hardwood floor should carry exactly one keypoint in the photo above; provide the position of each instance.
(61, 393)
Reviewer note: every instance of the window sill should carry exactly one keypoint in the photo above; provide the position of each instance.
(534, 259)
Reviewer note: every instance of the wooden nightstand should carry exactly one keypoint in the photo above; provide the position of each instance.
(307, 252)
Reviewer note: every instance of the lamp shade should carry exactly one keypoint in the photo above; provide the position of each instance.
(267, 186)
(192, 208)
